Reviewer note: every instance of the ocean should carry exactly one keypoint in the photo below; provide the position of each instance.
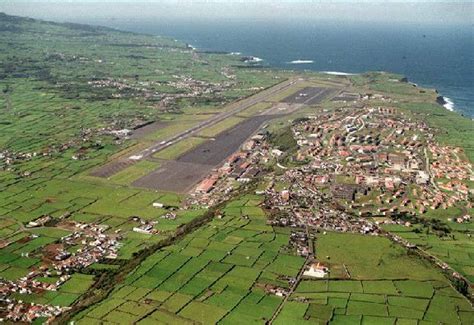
(433, 56)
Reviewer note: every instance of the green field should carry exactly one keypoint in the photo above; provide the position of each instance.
(179, 148)
(214, 130)
(214, 274)
(52, 110)
(255, 109)
(385, 285)
(134, 172)
(455, 249)
(217, 273)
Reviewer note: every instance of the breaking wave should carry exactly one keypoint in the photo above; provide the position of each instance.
(449, 104)
(301, 62)
(338, 73)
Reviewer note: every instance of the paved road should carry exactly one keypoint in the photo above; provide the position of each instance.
(428, 169)
(233, 109)
(116, 166)
(292, 289)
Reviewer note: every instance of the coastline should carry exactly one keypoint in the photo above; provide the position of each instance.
(444, 101)
(447, 103)
(307, 62)
(311, 42)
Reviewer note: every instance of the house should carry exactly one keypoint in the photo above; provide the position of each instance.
(422, 178)
(249, 145)
(344, 191)
(144, 229)
(207, 184)
(277, 153)
(316, 270)
(38, 222)
(158, 205)
(397, 161)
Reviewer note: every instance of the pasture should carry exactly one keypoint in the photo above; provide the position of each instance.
(383, 285)
(216, 274)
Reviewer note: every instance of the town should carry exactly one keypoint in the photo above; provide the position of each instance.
(365, 162)
(90, 244)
